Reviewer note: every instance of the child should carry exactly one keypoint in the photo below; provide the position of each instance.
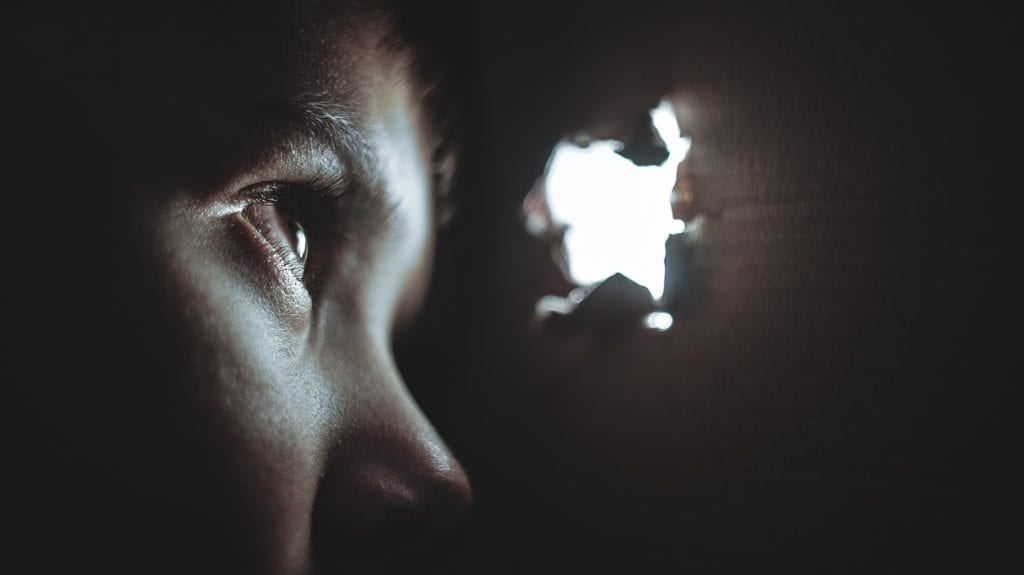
(238, 207)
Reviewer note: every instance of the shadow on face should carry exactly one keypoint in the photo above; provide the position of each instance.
(828, 401)
(230, 221)
(244, 214)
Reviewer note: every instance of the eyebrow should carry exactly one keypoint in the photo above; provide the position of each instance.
(324, 122)
(329, 123)
(317, 116)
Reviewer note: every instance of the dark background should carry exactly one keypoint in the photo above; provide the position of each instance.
(836, 399)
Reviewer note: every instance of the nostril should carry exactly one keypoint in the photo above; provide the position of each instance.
(378, 512)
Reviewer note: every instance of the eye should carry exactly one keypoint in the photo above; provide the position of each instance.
(299, 234)
(285, 236)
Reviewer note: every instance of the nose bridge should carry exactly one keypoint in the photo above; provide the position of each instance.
(380, 421)
(387, 435)
(390, 482)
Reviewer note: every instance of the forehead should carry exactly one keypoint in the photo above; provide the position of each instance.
(176, 81)
(192, 54)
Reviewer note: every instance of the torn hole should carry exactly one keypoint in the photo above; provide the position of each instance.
(608, 207)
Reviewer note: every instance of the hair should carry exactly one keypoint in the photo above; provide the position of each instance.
(66, 71)
(430, 33)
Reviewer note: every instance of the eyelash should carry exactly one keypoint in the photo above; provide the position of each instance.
(308, 204)
(315, 193)
(333, 210)
(294, 265)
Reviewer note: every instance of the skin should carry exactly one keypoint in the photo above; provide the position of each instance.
(200, 408)
(221, 406)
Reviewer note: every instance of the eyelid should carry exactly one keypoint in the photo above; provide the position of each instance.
(277, 174)
(276, 229)
(311, 192)
(314, 166)
(280, 264)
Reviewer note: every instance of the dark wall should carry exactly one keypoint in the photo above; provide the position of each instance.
(833, 400)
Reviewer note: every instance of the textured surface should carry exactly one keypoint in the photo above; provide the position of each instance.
(830, 402)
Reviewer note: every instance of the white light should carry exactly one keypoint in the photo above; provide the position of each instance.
(617, 215)
(535, 223)
(553, 304)
(658, 320)
(577, 295)
(667, 124)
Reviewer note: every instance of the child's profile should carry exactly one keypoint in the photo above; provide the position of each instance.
(251, 193)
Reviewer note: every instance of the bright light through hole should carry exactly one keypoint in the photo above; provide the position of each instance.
(659, 321)
(617, 215)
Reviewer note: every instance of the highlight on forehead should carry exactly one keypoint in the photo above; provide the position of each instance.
(397, 31)
(190, 53)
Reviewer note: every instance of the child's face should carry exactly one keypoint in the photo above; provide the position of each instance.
(273, 230)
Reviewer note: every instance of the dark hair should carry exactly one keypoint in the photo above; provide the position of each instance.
(435, 33)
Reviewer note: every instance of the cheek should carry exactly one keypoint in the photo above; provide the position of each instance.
(264, 435)
(255, 409)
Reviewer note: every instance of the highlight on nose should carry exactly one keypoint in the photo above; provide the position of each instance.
(394, 495)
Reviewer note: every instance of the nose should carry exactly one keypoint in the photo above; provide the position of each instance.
(391, 488)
